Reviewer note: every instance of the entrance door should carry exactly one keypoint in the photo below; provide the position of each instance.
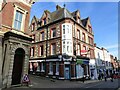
(67, 72)
(18, 66)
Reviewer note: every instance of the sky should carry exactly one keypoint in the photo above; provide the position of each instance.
(103, 17)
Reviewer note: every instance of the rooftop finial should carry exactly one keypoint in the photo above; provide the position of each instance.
(64, 5)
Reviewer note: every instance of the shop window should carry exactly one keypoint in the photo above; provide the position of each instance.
(50, 68)
(57, 68)
(42, 67)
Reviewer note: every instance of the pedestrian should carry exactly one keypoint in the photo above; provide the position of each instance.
(83, 79)
(112, 77)
(99, 77)
(105, 76)
(102, 75)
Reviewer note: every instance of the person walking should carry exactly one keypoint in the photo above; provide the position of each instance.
(83, 79)
(112, 77)
(105, 76)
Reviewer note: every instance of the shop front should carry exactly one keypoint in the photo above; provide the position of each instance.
(82, 68)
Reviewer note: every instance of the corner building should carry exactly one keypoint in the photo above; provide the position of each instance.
(62, 44)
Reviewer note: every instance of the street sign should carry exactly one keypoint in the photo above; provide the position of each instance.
(25, 79)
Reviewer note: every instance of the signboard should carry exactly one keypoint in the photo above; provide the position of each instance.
(82, 61)
(84, 52)
(79, 61)
(25, 79)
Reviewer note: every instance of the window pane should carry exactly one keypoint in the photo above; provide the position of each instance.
(16, 17)
(15, 24)
(19, 26)
(63, 31)
(53, 49)
(20, 17)
(63, 48)
(42, 36)
(18, 20)
(54, 33)
(41, 50)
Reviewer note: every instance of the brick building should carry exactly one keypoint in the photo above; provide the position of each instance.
(63, 44)
(14, 41)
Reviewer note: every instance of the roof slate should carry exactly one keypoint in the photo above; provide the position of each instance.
(63, 13)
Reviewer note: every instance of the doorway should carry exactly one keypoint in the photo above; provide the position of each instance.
(67, 71)
(18, 66)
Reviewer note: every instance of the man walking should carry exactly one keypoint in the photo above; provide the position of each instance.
(105, 76)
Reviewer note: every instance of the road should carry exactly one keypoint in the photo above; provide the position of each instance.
(42, 82)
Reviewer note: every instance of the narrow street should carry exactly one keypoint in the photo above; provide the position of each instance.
(41, 82)
(38, 82)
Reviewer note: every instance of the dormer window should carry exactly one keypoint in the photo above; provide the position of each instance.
(33, 26)
(78, 20)
(89, 29)
(44, 21)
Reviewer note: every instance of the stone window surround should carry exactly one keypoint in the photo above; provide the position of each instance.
(24, 12)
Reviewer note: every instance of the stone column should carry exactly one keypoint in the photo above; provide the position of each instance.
(1, 61)
(26, 63)
(1, 58)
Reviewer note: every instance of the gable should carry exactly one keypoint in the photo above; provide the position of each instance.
(88, 24)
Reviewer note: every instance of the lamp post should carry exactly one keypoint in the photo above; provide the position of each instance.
(2, 7)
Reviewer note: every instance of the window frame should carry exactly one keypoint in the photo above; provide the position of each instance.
(32, 51)
(52, 49)
(42, 38)
(52, 30)
(20, 9)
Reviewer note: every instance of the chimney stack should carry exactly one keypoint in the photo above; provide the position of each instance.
(94, 44)
(58, 7)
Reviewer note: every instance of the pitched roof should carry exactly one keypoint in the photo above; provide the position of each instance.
(60, 14)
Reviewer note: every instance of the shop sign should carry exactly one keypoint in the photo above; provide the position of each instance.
(79, 61)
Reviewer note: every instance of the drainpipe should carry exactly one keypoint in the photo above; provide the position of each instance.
(46, 51)
(75, 53)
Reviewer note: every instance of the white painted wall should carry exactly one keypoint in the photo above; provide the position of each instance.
(67, 42)
(98, 56)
